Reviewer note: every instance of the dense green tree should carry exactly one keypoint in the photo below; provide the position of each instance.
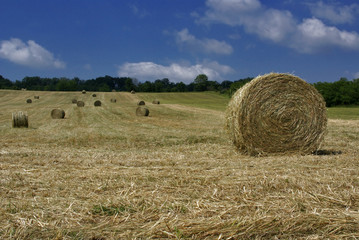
(5, 83)
(201, 82)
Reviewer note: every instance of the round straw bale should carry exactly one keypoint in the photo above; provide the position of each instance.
(74, 100)
(141, 103)
(142, 111)
(83, 91)
(29, 100)
(57, 113)
(36, 97)
(20, 119)
(133, 92)
(94, 95)
(97, 103)
(156, 101)
(113, 100)
(276, 114)
(80, 104)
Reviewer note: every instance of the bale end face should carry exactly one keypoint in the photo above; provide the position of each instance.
(141, 103)
(20, 119)
(97, 103)
(57, 113)
(276, 114)
(80, 104)
(142, 111)
(93, 95)
(74, 100)
(29, 101)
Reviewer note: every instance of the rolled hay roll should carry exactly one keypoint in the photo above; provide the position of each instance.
(57, 113)
(93, 95)
(139, 103)
(36, 97)
(142, 111)
(133, 92)
(113, 100)
(28, 100)
(276, 114)
(80, 104)
(83, 91)
(74, 100)
(97, 103)
(156, 101)
(20, 119)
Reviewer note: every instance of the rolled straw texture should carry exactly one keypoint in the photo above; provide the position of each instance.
(20, 119)
(57, 113)
(276, 114)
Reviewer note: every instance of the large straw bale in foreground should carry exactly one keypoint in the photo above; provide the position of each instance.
(276, 114)
(20, 119)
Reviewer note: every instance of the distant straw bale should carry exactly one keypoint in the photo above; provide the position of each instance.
(20, 119)
(57, 113)
(74, 100)
(156, 101)
(133, 92)
(141, 103)
(94, 95)
(276, 114)
(113, 100)
(142, 111)
(97, 103)
(29, 101)
(83, 91)
(80, 104)
(36, 97)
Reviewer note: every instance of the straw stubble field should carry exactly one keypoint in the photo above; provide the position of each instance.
(105, 173)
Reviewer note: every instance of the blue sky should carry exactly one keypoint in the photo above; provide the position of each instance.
(179, 39)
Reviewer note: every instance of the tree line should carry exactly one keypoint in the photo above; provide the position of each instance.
(341, 92)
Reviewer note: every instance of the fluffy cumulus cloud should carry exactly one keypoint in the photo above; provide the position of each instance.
(334, 13)
(280, 26)
(313, 34)
(30, 54)
(175, 72)
(187, 40)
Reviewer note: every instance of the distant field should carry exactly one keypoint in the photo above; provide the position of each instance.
(105, 173)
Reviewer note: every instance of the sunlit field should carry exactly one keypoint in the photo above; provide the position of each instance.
(105, 173)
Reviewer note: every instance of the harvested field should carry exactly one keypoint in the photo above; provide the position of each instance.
(106, 174)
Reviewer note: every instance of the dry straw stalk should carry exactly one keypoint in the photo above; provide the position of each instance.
(276, 114)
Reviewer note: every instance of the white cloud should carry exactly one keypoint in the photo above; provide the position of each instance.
(279, 26)
(175, 72)
(30, 54)
(356, 75)
(335, 13)
(185, 39)
(313, 34)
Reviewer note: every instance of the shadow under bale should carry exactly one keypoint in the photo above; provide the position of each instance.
(326, 152)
